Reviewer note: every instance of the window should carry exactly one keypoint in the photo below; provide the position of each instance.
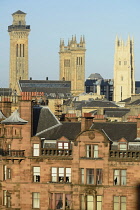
(92, 151)
(99, 202)
(93, 176)
(119, 177)
(90, 176)
(79, 61)
(36, 174)
(36, 200)
(63, 145)
(6, 199)
(60, 201)
(119, 203)
(122, 146)
(125, 62)
(89, 202)
(61, 174)
(82, 175)
(7, 172)
(35, 149)
(66, 63)
(98, 176)
(119, 62)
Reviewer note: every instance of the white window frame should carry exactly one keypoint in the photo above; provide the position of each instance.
(36, 174)
(36, 199)
(35, 149)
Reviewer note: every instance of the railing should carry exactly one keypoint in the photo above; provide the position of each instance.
(56, 152)
(13, 153)
(115, 154)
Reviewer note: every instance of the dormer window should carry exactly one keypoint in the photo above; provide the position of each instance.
(63, 145)
(122, 146)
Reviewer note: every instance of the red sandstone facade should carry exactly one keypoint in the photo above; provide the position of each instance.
(83, 174)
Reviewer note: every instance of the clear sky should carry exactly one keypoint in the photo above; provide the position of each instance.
(98, 20)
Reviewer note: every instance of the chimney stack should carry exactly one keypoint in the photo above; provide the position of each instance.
(86, 121)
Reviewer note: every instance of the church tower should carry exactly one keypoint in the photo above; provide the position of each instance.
(124, 82)
(18, 32)
(72, 64)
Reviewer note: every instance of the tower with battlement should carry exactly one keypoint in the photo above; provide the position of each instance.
(18, 32)
(72, 64)
(124, 82)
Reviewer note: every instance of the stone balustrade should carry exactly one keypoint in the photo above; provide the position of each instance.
(56, 152)
(127, 154)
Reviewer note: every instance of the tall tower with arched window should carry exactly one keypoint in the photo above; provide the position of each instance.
(124, 82)
(72, 64)
(18, 32)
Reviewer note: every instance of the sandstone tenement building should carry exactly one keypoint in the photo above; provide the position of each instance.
(47, 164)
(18, 32)
(124, 82)
(72, 64)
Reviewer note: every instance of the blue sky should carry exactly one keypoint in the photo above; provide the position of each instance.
(99, 21)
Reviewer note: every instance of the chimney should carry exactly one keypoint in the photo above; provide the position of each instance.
(71, 117)
(86, 121)
(99, 118)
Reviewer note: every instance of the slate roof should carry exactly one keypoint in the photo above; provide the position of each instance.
(50, 88)
(18, 12)
(115, 112)
(126, 100)
(67, 129)
(14, 119)
(43, 119)
(95, 76)
(5, 91)
(118, 130)
(96, 103)
(137, 102)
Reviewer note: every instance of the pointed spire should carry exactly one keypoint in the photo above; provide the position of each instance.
(83, 39)
(68, 42)
(72, 39)
(75, 38)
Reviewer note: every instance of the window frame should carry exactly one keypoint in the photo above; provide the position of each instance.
(34, 198)
(92, 150)
(121, 178)
(36, 150)
(119, 202)
(96, 176)
(36, 178)
(65, 197)
(84, 201)
(61, 174)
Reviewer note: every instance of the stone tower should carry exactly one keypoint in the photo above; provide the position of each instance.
(72, 64)
(18, 32)
(124, 82)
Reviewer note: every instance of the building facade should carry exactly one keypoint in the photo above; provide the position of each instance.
(66, 165)
(72, 64)
(100, 87)
(124, 81)
(18, 32)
